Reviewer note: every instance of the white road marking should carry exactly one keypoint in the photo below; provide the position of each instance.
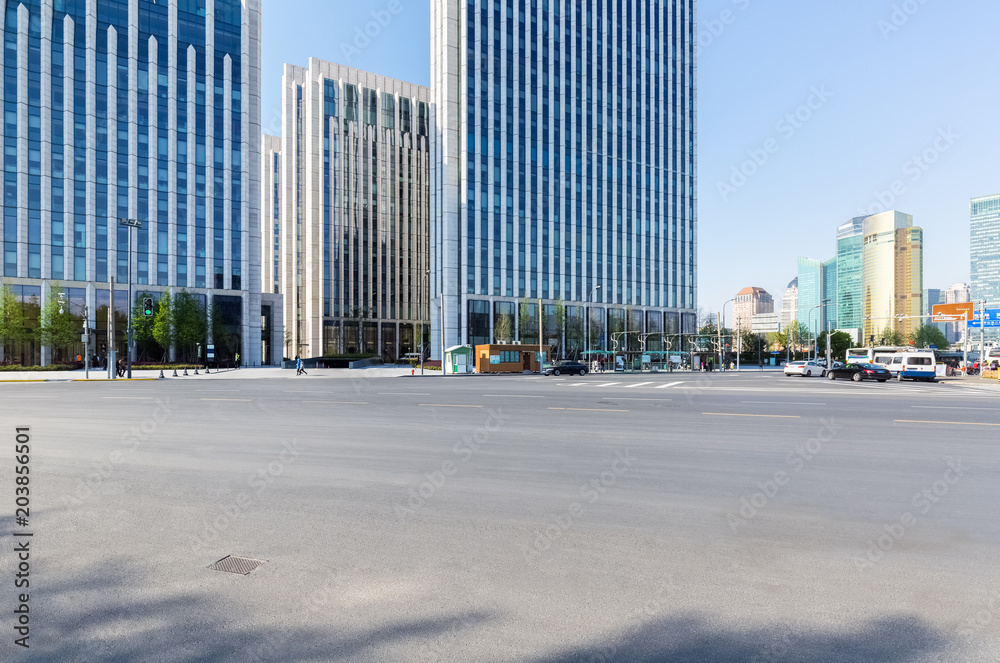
(669, 384)
(607, 384)
(637, 384)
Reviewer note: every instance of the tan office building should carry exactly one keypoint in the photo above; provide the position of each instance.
(893, 275)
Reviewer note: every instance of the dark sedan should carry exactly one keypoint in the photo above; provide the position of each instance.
(567, 367)
(859, 372)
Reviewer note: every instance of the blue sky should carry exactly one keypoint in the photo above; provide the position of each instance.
(845, 106)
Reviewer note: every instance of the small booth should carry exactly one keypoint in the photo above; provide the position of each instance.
(458, 359)
(510, 358)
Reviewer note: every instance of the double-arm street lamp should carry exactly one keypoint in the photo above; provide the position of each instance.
(586, 325)
(130, 224)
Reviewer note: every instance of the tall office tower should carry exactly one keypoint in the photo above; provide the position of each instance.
(750, 302)
(147, 111)
(817, 294)
(984, 230)
(346, 241)
(565, 153)
(790, 304)
(892, 289)
(850, 279)
(830, 293)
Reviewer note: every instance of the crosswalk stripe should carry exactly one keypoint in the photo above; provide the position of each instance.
(669, 384)
(607, 384)
(638, 384)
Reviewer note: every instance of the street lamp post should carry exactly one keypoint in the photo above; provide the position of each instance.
(816, 336)
(130, 224)
(586, 326)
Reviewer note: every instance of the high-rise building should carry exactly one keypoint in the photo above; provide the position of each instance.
(892, 290)
(817, 294)
(748, 303)
(347, 211)
(142, 111)
(984, 230)
(565, 152)
(850, 279)
(790, 304)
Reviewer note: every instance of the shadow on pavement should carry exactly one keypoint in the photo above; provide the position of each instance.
(697, 640)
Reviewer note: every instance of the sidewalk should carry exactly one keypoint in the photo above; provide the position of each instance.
(98, 375)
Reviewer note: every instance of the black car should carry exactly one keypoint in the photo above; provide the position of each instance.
(859, 372)
(567, 367)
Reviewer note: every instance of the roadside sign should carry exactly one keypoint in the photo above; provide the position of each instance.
(210, 351)
(991, 319)
(952, 312)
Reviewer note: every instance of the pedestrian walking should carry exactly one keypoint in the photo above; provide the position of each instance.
(298, 367)
(237, 360)
(760, 363)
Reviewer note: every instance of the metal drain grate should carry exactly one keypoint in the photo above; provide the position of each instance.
(234, 564)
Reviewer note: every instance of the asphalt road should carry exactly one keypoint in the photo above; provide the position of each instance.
(642, 519)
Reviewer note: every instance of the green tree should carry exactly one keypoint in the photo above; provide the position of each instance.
(163, 323)
(891, 336)
(57, 327)
(840, 343)
(527, 320)
(928, 335)
(190, 325)
(13, 328)
(503, 328)
(777, 340)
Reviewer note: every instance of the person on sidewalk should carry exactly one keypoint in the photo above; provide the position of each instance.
(237, 360)
(298, 367)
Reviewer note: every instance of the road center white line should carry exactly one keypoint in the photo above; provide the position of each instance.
(777, 403)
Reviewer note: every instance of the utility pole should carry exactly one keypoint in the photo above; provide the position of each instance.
(541, 359)
(718, 332)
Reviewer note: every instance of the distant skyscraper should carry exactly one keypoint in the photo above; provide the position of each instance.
(790, 304)
(810, 278)
(830, 294)
(956, 294)
(850, 262)
(749, 302)
(892, 289)
(984, 230)
(346, 211)
(565, 149)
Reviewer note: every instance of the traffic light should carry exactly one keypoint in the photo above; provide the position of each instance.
(147, 306)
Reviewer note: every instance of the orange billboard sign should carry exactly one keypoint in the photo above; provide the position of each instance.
(952, 312)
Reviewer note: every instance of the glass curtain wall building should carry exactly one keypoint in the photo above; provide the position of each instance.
(347, 209)
(148, 111)
(984, 245)
(893, 283)
(565, 151)
(850, 276)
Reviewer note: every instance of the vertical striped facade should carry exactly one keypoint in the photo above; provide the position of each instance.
(142, 110)
(346, 199)
(565, 167)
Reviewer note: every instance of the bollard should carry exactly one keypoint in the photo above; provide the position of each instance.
(161, 373)
(196, 371)
(207, 371)
(185, 372)
(175, 372)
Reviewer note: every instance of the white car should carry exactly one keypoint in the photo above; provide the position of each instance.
(804, 368)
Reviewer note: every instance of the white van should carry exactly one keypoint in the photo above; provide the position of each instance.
(912, 366)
